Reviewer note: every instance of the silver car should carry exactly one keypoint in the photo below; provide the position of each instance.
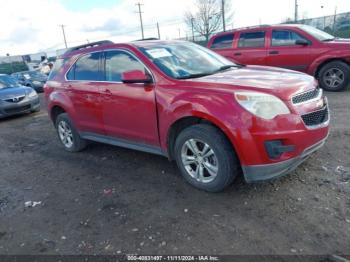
(15, 98)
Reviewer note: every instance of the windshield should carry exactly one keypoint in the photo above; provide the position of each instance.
(7, 81)
(36, 74)
(318, 34)
(186, 60)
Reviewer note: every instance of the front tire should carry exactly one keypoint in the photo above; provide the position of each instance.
(334, 76)
(68, 135)
(206, 158)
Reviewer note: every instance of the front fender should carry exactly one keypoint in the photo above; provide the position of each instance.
(218, 109)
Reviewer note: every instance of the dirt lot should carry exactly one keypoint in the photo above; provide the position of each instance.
(109, 200)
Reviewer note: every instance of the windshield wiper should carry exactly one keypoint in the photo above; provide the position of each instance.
(328, 39)
(222, 68)
(194, 75)
(225, 67)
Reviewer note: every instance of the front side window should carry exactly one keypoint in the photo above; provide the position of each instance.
(87, 68)
(118, 62)
(182, 60)
(224, 41)
(251, 39)
(285, 38)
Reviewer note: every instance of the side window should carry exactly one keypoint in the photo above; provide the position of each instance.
(224, 41)
(285, 38)
(56, 67)
(118, 62)
(86, 68)
(252, 39)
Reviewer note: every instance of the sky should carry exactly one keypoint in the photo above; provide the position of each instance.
(31, 26)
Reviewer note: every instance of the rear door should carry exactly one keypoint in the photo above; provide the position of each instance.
(284, 52)
(251, 48)
(223, 45)
(82, 87)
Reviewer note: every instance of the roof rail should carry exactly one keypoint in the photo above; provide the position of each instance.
(246, 27)
(89, 45)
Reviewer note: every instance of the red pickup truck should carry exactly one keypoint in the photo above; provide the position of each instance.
(297, 47)
(183, 101)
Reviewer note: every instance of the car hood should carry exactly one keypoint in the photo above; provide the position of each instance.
(6, 93)
(281, 82)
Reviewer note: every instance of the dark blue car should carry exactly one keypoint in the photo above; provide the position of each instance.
(33, 79)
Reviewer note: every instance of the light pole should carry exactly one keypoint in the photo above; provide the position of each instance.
(192, 20)
(324, 18)
(296, 11)
(64, 35)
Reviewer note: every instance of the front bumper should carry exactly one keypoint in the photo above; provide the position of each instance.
(256, 173)
(25, 106)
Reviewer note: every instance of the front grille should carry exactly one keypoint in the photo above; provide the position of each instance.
(17, 109)
(15, 99)
(316, 118)
(306, 96)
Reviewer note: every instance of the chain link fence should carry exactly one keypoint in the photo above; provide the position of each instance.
(337, 25)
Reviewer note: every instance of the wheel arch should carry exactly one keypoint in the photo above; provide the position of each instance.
(55, 111)
(329, 60)
(186, 121)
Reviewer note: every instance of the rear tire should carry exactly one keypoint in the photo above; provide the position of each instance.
(206, 158)
(334, 76)
(68, 134)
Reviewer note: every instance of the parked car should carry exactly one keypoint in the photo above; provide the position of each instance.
(15, 98)
(185, 102)
(33, 79)
(298, 47)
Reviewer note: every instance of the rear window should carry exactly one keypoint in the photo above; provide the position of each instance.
(223, 41)
(56, 67)
(87, 68)
(252, 39)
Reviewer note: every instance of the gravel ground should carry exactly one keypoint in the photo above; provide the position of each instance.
(110, 200)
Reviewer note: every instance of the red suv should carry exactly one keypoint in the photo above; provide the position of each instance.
(185, 102)
(298, 47)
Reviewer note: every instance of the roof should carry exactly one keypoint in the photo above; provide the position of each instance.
(97, 46)
(258, 27)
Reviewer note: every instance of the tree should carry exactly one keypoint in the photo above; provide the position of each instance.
(208, 18)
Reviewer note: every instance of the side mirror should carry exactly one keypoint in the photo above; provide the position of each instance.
(302, 42)
(135, 76)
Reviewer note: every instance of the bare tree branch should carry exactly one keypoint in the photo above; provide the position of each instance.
(207, 19)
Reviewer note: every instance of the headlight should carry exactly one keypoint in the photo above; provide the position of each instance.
(32, 94)
(262, 105)
(36, 83)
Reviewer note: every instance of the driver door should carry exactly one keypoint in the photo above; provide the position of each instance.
(129, 109)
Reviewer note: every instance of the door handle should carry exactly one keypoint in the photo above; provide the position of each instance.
(237, 54)
(107, 91)
(274, 52)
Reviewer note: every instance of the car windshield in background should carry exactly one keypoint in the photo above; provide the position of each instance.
(318, 34)
(7, 81)
(186, 60)
(36, 74)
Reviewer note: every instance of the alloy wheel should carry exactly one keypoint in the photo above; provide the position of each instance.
(65, 134)
(333, 77)
(199, 160)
